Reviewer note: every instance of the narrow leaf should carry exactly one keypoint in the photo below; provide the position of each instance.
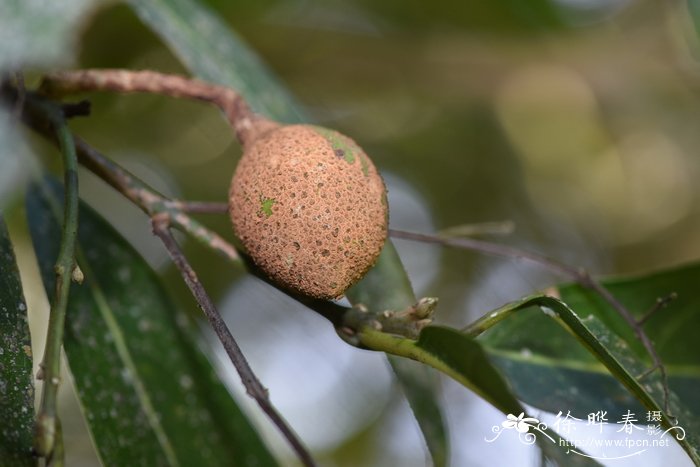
(605, 388)
(467, 363)
(16, 380)
(150, 396)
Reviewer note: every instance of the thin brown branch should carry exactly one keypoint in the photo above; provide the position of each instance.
(579, 275)
(161, 228)
(482, 228)
(660, 304)
(199, 207)
(244, 122)
(491, 248)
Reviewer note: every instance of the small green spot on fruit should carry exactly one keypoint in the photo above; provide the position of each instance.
(365, 165)
(343, 148)
(266, 206)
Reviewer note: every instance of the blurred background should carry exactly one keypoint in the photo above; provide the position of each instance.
(575, 119)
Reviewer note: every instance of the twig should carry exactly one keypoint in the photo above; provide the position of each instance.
(243, 121)
(48, 435)
(660, 304)
(483, 228)
(255, 389)
(645, 373)
(579, 275)
(199, 207)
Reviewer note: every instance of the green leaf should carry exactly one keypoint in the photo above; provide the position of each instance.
(466, 362)
(149, 394)
(213, 52)
(694, 10)
(16, 380)
(40, 33)
(550, 372)
(672, 329)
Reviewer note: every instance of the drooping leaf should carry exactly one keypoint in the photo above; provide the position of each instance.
(538, 352)
(16, 380)
(39, 33)
(213, 52)
(149, 394)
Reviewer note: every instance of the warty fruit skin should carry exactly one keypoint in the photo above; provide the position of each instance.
(310, 208)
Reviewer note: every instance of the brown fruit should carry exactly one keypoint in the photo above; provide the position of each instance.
(310, 208)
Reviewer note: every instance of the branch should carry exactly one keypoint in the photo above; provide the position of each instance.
(200, 207)
(244, 122)
(255, 389)
(581, 276)
(48, 442)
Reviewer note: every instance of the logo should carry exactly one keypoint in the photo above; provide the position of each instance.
(625, 436)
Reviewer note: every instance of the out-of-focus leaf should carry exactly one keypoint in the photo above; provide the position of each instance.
(14, 156)
(694, 10)
(39, 33)
(510, 16)
(16, 381)
(213, 52)
(149, 395)
(542, 360)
